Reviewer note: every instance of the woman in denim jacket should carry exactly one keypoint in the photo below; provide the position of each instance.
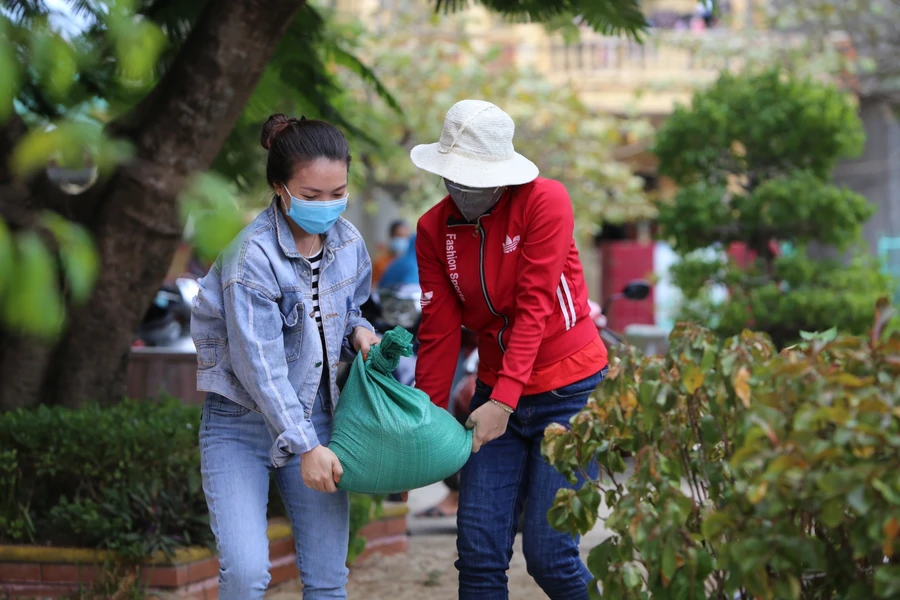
(277, 313)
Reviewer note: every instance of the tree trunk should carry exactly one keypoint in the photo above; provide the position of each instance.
(177, 131)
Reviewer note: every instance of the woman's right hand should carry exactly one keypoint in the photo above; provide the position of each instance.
(321, 469)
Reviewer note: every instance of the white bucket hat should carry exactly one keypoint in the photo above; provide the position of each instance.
(476, 148)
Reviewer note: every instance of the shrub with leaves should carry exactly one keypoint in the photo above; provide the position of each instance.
(124, 478)
(753, 157)
(363, 510)
(757, 474)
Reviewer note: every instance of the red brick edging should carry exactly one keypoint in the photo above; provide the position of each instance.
(44, 572)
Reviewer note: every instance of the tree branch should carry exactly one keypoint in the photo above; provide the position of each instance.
(183, 122)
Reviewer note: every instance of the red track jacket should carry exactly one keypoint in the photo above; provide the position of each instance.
(513, 277)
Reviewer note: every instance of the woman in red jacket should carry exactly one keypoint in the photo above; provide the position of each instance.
(497, 256)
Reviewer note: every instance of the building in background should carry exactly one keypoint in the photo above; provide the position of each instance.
(688, 46)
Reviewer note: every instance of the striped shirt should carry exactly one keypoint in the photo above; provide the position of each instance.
(316, 263)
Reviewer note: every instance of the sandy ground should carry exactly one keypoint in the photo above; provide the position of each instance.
(426, 571)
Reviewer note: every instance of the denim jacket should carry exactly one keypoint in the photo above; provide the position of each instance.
(257, 341)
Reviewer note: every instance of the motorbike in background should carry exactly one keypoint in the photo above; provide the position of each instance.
(634, 291)
(167, 321)
(397, 306)
(401, 307)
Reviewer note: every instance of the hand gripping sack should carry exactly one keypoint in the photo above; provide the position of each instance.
(390, 437)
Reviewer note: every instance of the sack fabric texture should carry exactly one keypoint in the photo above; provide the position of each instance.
(390, 437)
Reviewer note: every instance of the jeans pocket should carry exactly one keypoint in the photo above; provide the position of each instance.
(481, 396)
(585, 387)
(223, 407)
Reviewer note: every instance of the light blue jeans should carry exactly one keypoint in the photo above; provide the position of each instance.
(234, 458)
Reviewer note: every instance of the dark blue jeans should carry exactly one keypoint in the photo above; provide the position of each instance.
(505, 477)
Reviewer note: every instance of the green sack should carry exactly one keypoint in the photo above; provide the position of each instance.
(389, 437)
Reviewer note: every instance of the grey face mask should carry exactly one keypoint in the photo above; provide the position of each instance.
(473, 202)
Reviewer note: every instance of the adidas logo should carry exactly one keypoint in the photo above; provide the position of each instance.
(426, 299)
(511, 244)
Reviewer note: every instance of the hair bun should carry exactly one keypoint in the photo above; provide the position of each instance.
(274, 125)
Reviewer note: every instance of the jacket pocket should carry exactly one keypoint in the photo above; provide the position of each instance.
(293, 332)
(209, 351)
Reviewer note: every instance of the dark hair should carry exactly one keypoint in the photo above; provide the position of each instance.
(293, 143)
(397, 225)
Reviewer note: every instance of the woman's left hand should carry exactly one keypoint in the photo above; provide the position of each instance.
(363, 340)
(489, 422)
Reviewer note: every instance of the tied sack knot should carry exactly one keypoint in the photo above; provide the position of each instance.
(385, 356)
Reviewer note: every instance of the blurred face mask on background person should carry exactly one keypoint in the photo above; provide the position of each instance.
(399, 245)
(473, 202)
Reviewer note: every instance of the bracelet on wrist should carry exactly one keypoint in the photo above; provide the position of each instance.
(503, 406)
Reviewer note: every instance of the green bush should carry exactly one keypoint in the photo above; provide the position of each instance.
(753, 156)
(124, 478)
(757, 474)
(363, 510)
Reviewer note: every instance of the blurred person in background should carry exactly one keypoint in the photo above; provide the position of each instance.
(399, 233)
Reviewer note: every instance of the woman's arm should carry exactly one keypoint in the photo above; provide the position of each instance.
(547, 242)
(256, 343)
(440, 332)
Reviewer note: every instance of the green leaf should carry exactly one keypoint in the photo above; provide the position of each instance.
(616, 463)
(346, 59)
(67, 142)
(33, 303)
(832, 513)
(620, 17)
(704, 565)
(887, 581)
(788, 588)
(558, 517)
(601, 556)
(709, 431)
(591, 499)
(709, 358)
(806, 553)
(10, 74)
(714, 524)
(668, 565)
(208, 204)
(79, 257)
(886, 491)
(54, 60)
(138, 44)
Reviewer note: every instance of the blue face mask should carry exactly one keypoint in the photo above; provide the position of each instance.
(399, 246)
(314, 216)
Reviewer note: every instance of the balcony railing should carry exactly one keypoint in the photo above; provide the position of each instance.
(673, 55)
